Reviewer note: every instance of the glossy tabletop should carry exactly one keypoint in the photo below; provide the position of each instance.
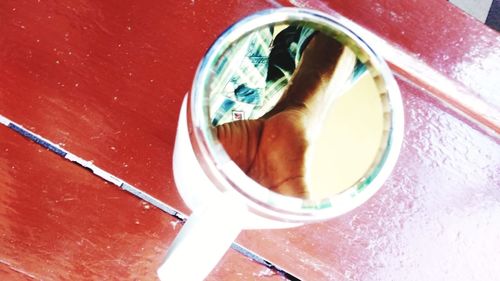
(105, 79)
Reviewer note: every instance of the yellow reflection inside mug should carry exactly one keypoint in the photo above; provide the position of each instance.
(300, 110)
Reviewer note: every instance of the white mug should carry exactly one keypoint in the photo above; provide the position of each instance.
(223, 199)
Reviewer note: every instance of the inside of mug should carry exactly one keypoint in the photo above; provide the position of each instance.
(301, 107)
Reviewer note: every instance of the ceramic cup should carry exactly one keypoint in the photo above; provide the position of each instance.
(224, 200)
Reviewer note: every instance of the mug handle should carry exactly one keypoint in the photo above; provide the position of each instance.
(204, 239)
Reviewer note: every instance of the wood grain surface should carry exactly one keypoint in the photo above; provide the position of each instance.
(104, 80)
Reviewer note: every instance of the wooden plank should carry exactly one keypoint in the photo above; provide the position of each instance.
(105, 81)
(59, 222)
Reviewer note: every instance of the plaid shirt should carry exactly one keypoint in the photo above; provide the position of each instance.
(242, 88)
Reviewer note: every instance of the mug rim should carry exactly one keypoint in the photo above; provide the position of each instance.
(228, 177)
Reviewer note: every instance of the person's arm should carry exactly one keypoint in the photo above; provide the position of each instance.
(325, 67)
(272, 150)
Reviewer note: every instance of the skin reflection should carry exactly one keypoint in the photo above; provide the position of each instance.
(273, 149)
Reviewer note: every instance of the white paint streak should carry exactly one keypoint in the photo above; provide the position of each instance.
(4, 120)
(265, 273)
(174, 224)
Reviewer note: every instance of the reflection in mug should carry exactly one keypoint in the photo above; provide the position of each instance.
(298, 111)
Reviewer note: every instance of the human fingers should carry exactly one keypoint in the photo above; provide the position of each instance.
(241, 140)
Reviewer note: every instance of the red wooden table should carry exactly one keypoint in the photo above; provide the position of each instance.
(104, 80)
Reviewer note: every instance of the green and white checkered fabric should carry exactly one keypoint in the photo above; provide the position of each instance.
(247, 85)
(240, 90)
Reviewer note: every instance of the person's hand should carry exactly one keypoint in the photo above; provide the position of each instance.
(273, 149)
